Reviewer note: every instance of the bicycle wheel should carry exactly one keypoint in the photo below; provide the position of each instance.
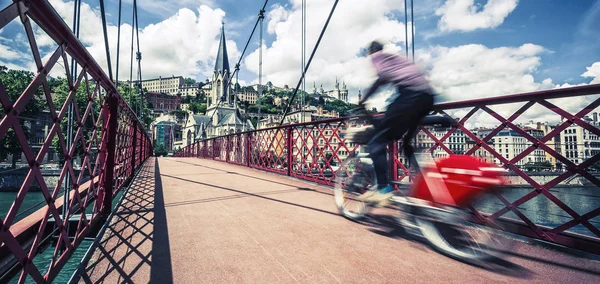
(354, 177)
(457, 237)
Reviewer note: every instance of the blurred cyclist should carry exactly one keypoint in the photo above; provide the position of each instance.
(403, 114)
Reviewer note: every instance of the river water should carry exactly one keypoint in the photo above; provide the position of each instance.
(539, 210)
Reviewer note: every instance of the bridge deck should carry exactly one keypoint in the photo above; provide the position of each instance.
(202, 221)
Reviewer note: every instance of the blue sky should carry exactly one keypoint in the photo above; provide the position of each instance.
(554, 43)
(569, 30)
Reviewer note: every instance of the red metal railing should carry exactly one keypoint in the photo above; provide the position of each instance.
(312, 151)
(109, 144)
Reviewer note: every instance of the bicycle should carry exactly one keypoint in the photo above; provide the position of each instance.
(437, 204)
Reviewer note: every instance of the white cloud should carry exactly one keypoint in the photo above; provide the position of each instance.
(475, 71)
(354, 24)
(593, 72)
(10, 53)
(465, 15)
(184, 44)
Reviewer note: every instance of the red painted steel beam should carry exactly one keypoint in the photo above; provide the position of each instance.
(532, 96)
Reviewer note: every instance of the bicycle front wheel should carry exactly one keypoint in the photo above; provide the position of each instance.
(354, 177)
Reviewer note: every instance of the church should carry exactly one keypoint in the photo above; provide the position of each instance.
(222, 114)
(331, 95)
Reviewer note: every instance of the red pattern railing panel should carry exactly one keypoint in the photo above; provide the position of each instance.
(268, 150)
(312, 151)
(108, 145)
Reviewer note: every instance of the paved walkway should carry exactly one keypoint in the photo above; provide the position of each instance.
(202, 221)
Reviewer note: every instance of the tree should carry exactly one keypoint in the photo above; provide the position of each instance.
(537, 166)
(146, 117)
(266, 100)
(341, 107)
(328, 157)
(180, 114)
(15, 82)
(197, 107)
(60, 87)
(62, 90)
(321, 100)
(595, 166)
(160, 150)
(200, 97)
(189, 81)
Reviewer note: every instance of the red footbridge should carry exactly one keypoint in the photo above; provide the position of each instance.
(257, 206)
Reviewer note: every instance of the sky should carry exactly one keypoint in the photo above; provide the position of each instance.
(467, 48)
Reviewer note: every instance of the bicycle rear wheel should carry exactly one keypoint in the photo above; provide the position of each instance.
(354, 177)
(456, 236)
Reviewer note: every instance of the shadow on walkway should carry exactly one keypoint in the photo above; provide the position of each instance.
(388, 226)
(258, 195)
(135, 247)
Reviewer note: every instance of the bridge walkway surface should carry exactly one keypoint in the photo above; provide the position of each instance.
(203, 221)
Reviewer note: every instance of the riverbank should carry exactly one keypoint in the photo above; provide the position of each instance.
(12, 180)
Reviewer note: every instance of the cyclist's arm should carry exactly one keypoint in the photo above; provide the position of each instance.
(372, 90)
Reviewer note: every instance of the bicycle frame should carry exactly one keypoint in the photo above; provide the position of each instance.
(431, 184)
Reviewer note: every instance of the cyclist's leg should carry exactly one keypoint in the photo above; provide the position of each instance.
(378, 153)
(408, 149)
(391, 125)
(423, 107)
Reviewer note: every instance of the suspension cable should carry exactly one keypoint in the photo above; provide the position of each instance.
(118, 45)
(303, 97)
(131, 59)
(138, 57)
(412, 28)
(103, 12)
(406, 26)
(261, 17)
(70, 116)
(309, 61)
(76, 23)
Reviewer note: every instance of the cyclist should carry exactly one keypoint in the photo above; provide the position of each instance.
(406, 109)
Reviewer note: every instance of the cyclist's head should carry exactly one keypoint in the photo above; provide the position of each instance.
(375, 46)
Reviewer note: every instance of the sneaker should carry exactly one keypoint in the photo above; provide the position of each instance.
(366, 196)
(370, 191)
(381, 197)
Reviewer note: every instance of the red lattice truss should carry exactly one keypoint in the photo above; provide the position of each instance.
(117, 146)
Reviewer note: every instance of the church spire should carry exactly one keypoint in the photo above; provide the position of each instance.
(222, 64)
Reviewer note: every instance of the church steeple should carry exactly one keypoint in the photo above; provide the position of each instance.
(222, 64)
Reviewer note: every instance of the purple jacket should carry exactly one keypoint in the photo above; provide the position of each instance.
(397, 70)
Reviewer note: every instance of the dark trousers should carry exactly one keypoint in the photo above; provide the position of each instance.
(401, 117)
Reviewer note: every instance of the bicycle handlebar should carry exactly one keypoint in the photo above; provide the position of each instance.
(443, 120)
